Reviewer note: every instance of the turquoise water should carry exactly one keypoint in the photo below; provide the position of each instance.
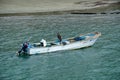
(99, 62)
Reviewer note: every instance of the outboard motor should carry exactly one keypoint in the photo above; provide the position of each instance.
(24, 48)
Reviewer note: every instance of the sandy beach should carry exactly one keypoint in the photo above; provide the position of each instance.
(55, 6)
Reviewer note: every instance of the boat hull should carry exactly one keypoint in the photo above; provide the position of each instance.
(67, 44)
(75, 45)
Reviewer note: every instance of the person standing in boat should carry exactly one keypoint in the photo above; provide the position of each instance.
(59, 37)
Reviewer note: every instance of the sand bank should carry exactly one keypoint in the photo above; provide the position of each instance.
(25, 7)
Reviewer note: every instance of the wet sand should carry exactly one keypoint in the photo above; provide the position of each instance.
(35, 7)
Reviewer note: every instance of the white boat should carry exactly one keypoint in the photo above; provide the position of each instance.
(66, 44)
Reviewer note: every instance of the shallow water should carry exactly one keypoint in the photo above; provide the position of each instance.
(99, 62)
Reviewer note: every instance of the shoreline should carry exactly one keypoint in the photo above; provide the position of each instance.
(112, 8)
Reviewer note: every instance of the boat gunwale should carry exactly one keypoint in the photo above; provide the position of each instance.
(97, 34)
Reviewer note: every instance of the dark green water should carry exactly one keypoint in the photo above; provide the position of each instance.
(99, 62)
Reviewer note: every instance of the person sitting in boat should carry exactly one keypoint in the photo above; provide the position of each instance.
(43, 43)
(59, 37)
